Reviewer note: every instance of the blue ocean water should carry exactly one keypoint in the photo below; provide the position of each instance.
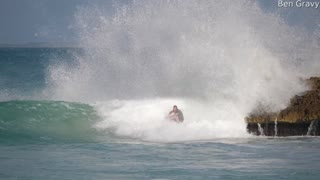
(44, 138)
(279, 158)
(22, 70)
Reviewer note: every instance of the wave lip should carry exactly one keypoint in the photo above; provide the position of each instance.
(25, 120)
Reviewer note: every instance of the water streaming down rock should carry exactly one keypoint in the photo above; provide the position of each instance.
(261, 131)
(276, 127)
(300, 118)
(312, 129)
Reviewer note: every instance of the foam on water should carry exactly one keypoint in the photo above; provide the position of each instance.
(146, 119)
(215, 59)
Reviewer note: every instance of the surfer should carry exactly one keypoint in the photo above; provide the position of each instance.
(176, 115)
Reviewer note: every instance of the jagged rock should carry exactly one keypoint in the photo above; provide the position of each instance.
(294, 120)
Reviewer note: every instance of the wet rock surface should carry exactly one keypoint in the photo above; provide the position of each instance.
(301, 117)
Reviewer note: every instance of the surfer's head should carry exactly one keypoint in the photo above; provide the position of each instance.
(175, 107)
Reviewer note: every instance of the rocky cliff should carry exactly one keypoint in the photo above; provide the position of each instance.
(301, 117)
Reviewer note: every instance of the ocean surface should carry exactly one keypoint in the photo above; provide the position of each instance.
(46, 137)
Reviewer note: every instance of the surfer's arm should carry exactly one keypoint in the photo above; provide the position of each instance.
(171, 113)
(180, 116)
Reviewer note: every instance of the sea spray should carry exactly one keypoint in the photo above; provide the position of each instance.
(218, 58)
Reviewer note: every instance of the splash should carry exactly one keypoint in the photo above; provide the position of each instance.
(146, 119)
(216, 59)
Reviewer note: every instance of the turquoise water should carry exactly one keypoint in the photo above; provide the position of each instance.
(280, 158)
(33, 121)
(43, 138)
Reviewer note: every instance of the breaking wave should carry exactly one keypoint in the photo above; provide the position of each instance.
(46, 121)
(215, 59)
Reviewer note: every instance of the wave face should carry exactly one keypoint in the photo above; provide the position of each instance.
(46, 121)
(215, 59)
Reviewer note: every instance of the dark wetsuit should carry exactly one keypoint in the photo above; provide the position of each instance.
(179, 113)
